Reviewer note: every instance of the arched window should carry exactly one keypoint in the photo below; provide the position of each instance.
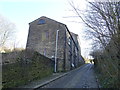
(41, 21)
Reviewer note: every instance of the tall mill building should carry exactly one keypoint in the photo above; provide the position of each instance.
(48, 36)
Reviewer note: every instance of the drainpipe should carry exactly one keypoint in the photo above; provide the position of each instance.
(55, 68)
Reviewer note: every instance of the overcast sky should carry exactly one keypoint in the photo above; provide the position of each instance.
(21, 12)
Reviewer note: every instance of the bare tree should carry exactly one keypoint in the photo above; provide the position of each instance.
(6, 31)
(102, 20)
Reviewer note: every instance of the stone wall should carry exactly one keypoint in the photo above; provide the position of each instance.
(42, 38)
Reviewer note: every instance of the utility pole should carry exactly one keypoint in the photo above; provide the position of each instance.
(55, 68)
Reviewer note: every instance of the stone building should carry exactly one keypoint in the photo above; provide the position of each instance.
(42, 38)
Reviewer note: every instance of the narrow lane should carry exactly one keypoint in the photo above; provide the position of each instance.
(82, 77)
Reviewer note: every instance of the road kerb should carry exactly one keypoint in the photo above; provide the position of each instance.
(47, 82)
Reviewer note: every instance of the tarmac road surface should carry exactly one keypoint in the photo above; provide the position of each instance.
(83, 77)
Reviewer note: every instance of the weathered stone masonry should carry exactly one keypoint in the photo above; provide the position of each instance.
(42, 38)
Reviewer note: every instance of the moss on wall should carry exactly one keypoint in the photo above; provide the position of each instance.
(26, 68)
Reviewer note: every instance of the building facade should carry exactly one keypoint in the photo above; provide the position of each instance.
(45, 33)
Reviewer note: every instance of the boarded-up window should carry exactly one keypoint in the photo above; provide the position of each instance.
(43, 36)
(47, 35)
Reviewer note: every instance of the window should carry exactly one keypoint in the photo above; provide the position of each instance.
(75, 51)
(45, 35)
(69, 41)
(44, 51)
(41, 21)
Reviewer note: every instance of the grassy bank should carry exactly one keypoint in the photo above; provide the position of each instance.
(29, 66)
(108, 74)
